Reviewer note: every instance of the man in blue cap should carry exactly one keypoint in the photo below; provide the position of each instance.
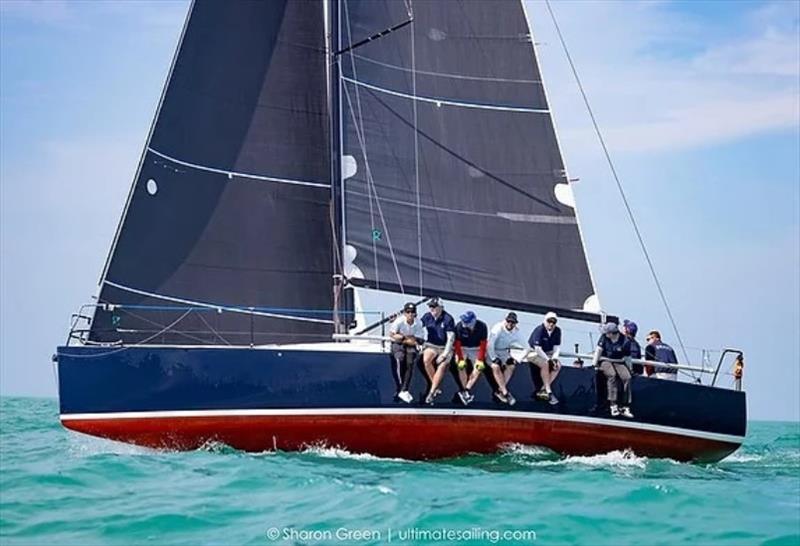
(629, 330)
(470, 348)
(612, 357)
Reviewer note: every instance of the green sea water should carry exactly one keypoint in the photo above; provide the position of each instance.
(62, 488)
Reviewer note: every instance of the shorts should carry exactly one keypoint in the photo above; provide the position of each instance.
(470, 353)
(540, 362)
(438, 349)
(504, 363)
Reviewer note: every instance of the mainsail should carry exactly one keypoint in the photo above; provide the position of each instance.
(453, 180)
(289, 149)
(229, 209)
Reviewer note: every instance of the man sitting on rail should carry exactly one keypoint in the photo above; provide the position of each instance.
(470, 347)
(438, 348)
(503, 337)
(545, 342)
(407, 335)
(612, 348)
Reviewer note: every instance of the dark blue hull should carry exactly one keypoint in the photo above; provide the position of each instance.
(269, 398)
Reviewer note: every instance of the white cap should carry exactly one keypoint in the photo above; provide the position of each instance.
(549, 316)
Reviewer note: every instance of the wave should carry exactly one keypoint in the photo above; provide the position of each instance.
(338, 452)
(83, 445)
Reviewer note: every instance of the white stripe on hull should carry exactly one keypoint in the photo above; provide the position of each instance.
(408, 411)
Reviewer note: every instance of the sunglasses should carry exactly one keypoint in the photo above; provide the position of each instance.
(411, 312)
(551, 321)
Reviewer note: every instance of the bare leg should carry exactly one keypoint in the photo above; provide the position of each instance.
(500, 378)
(473, 378)
(508, 372)
(544, 370)
(427, 358)
(438, 376)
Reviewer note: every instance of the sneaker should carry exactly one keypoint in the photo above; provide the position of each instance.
(429, 399)
(437, 392)
(500, 397)
(552, 400)
(511, 399)
(465, 397)
(614, 410)
(405, 396)
(626, 412)
(542, 395)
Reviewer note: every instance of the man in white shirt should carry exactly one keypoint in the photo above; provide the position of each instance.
(502, 338)
(407, 334)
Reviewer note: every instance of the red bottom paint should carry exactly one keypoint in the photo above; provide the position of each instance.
(408, 437)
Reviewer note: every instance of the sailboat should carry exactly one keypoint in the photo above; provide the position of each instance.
(303, 151)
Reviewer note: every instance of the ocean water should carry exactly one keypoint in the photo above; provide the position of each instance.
(62, 488)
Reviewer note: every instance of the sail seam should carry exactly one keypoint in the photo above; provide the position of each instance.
(449, 102)
(242, 310)
(446, 74)
(513, 216)
(237, 174)
(416, 142)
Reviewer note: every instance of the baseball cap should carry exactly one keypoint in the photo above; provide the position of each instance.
(468, 317)
(409, 307)
(434, 302)
(630, 326)
(512, 317)
(551, 316)
(610, 328)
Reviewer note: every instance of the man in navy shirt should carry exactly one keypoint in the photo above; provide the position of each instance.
(470, 348)
(545, 342)
(629, 330)
(614, 346)
(660, 352)
(438, 349)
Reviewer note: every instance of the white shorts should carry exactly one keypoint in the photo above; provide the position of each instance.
(663, 375)
(470, 353)
(438, 349)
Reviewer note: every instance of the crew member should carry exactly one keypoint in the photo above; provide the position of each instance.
(438, 349)
(503, 337)
(660, 352)
(470, 348)
(407, 334)
(629, 330)
(613, 345)
(545, 341)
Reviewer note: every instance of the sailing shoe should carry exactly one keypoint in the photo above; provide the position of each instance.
(552, 400)
(626, 412)
(405, 396)
(542, 395)
(614, 410)
(511, 399)
(500, 397)
(429, 399)
(465, 397)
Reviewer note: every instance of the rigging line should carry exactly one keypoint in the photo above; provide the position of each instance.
(416, 140)
(362, 137)
(371, 185)
(440, 101)
(225, 341)
(618, 182)
(142, 342)
(446, 74)
(243, 310)
(463, 159)
(369, 188)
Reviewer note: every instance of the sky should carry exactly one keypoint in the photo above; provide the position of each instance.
(699, 103)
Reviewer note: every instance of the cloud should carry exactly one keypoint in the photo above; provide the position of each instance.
(660, 79)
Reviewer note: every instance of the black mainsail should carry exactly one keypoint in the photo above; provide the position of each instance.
(457, 167)
(289, 149)
(229, 209)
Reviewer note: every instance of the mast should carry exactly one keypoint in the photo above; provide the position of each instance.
(333, 44)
